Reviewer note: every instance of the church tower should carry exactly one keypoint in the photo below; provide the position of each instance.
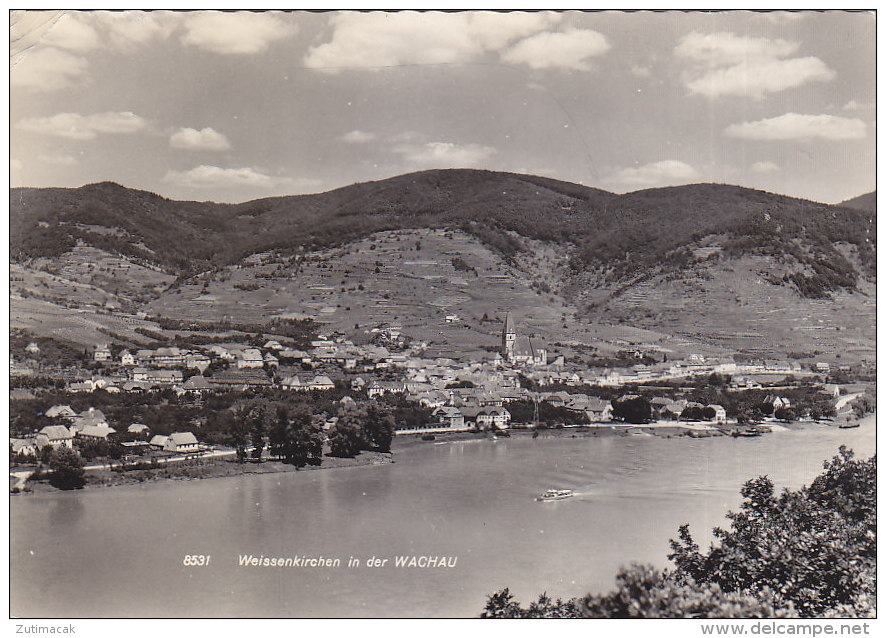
(508, 337)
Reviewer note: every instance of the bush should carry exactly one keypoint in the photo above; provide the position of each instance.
(815, 548)
(67, 469)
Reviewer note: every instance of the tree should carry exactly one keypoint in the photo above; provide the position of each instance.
(67, 469)
(304, 437)
(632, 409)
(257, 427)
(240, 431)
(812, 549)
(346, 438)
(379, 426)
(278, 435)
(501, 604)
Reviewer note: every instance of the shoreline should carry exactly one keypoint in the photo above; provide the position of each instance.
(201, 469)
(223, 467)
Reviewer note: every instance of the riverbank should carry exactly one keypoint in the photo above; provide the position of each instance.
(221, 465)
(208, 468)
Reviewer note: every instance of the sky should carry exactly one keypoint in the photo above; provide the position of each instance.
(230, 107)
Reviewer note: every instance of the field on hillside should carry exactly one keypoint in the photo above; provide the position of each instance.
(416, 278)
(721, 304)
(88, 276)
(81, 327)
(413, 279)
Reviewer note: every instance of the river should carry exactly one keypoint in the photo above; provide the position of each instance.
(118, 552)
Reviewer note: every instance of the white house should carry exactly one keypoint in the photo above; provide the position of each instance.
(95, 432)
(719, 413)
(181, 442)
(493, 417)
(292, 383)
(25, 447)
(197, 361)
(60, 411)
(55, 436)
(102, 352)
(158, 441)
(137, 428)
(449, 417)
(251, 358)
(322, 382)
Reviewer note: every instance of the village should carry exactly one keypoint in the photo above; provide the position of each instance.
(515, 387)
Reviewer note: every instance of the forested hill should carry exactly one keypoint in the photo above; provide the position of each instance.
(867, 202)
(620, 235)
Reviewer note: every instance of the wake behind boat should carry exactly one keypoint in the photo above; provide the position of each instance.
(556, 495)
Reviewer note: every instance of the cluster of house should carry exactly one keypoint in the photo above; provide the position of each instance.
(437, 383)
(273, 364)
(469, 409)
(72, 427)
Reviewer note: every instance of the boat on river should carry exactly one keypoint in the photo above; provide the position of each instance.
(556, 495)
(748, 432)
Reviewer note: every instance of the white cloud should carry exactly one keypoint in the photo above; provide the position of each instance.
(84, 127)
(781, 17)
(240, 33)
(854, 105)
(664, 173)
(59, 160)
(795, 126)
(719, 49)
(497, 30)
(70, 32)
(47, 69)
(126, 29)
(375, 40)
(640, 71)
(357, 137)
(754, 79)
(765, 167)
(206, 139)
(728, 64)
(569, 50)
(444, 154)
(213, 176)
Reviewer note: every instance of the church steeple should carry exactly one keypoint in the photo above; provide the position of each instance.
(508, 337)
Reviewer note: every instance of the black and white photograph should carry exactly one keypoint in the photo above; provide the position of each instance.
(465, 314)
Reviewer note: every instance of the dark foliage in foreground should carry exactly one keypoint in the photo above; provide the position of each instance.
(809, 553)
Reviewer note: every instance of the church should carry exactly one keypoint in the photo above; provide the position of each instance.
(520, 350)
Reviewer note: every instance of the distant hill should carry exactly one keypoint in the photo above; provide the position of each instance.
(866, 202)
(618, 237)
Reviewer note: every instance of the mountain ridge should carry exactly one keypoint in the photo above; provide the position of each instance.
(621, 236)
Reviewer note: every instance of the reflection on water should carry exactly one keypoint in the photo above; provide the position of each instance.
(119, 551)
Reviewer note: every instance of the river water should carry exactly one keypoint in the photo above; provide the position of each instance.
(118, 552)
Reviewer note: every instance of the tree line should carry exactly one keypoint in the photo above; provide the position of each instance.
(297, 435)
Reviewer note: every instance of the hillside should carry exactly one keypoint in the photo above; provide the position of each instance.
(686, 268)
(623, 235)
(866, 202)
